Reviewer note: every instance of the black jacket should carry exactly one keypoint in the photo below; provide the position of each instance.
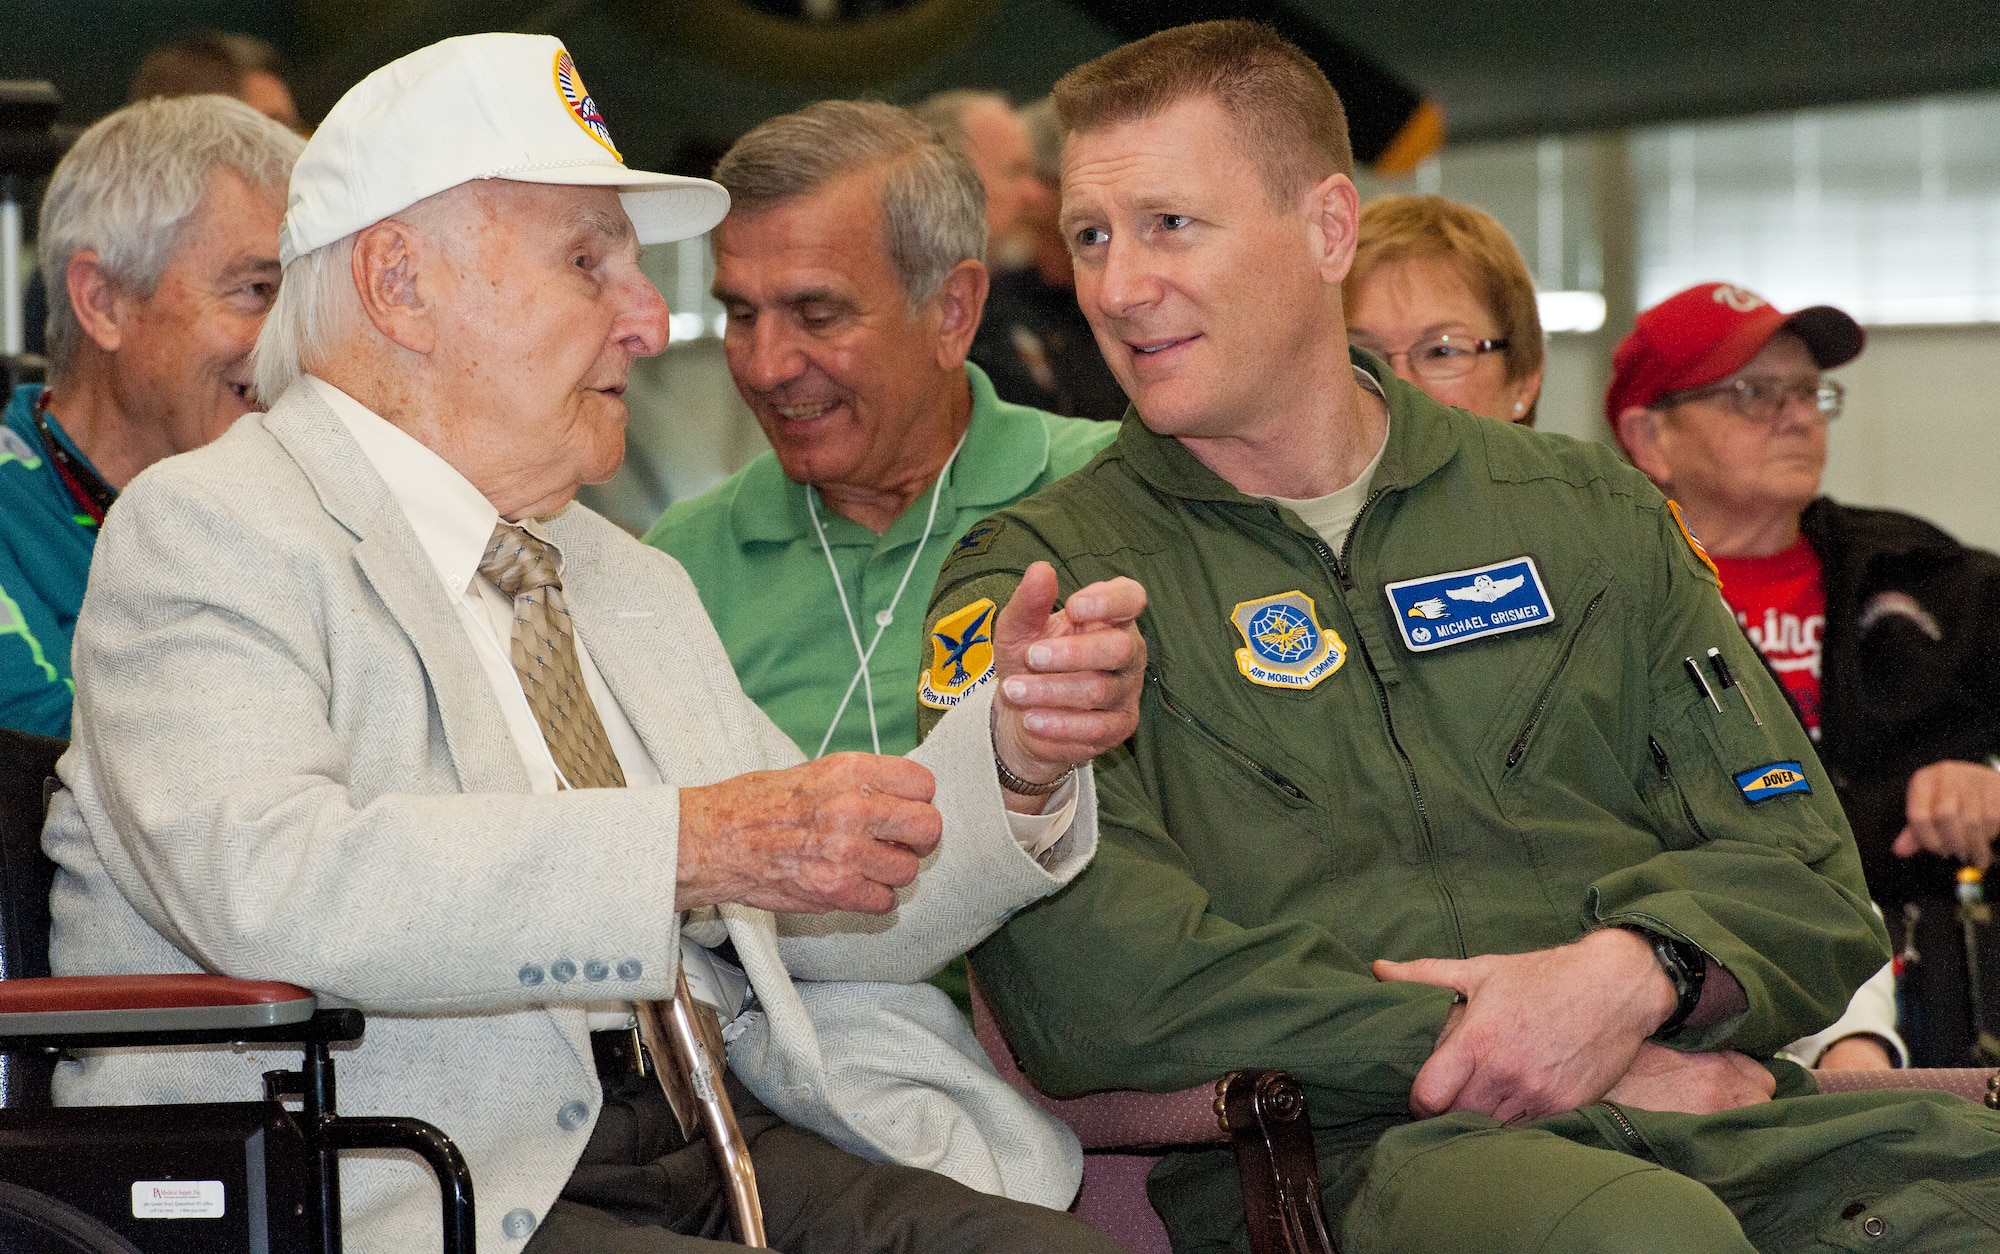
(1910, 674)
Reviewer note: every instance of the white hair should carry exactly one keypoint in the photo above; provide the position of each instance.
(129, 186)
(318, 310)
(315, 307)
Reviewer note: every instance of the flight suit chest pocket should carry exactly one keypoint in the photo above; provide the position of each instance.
(1550, 714)
(1203, 743)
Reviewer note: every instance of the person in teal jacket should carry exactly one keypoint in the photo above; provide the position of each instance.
(45, 549)
(159, 246)
(851, 268)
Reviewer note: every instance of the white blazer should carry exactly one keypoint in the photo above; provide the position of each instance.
(287, 764)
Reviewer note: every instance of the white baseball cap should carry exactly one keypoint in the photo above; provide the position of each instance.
(495, 106)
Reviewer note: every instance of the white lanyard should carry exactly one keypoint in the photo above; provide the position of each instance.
(882, 618)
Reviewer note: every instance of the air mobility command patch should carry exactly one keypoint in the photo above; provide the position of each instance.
(1284, 645)
(1761, 783)
(961, 655)
(1441, 610)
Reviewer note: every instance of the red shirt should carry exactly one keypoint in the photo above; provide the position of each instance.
(1780, 601)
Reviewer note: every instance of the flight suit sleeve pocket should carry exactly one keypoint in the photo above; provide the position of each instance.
(1724, 776)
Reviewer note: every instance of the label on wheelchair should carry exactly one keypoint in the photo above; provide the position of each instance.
(177, 1199)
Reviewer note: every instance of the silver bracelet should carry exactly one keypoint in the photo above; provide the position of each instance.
(1022, 788)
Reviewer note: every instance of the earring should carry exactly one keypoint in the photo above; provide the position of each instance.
(1519, 408)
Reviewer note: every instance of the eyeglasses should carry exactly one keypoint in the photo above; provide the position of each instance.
(1763, 398)
(1438, 356)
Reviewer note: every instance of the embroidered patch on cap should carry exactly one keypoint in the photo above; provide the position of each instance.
(577, 100)
(1761, 783)
(1437, 611)
(961, 655)
(1284, 645)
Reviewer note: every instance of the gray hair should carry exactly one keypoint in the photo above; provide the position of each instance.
(128, 188)
(945, 112)
(1045, 132)
(933, 204)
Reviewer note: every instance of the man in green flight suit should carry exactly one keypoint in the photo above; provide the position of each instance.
(851, 266)
(1456, 791)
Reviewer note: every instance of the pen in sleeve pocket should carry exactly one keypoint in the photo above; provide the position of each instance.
(1694, 673)
(1716, 660)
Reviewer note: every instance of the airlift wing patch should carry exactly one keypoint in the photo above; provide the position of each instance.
(1283, 644)
(1441, 610)
(1761, 783)
(961, 655)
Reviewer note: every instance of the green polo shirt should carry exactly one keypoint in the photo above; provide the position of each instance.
(750, 547)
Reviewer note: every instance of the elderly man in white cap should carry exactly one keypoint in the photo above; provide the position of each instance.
(364, 703)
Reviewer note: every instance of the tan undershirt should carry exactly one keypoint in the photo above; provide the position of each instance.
(1333, 514)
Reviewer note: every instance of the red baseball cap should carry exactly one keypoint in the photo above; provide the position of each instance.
(1711, 331)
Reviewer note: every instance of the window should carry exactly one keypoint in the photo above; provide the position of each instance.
(1891, 211)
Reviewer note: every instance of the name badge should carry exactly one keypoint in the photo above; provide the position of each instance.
(1438, 611)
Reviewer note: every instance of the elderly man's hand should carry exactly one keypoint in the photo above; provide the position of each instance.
(1693, 1084)
(1069, 678)
(1954, 811)
(1539, 1033)
(840, 833)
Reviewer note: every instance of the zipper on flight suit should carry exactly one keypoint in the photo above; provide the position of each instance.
(1228, 750)
(1628, 1130)
(1520, 749)
(1666, 770)
(1336, 567)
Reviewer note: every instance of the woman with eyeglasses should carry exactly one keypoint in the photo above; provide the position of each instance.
(1440, 293)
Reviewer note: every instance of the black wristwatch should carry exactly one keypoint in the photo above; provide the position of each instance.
(1686, 966)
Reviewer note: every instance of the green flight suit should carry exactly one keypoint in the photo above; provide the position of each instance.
(1262, 842)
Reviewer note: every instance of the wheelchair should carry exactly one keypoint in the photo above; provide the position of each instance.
(251, 1177)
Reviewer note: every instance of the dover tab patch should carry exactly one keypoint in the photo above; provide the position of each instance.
(1284, 645)
(1437, 611)
(961, 655)
(1761, 783)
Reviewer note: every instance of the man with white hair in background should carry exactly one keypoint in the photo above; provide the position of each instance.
(159, 235)
(367, 705)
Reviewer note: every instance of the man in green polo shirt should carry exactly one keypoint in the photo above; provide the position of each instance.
(159, 246)
(852, 268)
(851, 265)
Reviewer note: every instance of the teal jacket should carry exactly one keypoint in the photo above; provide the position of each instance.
(1262, 840)
(46, 540)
